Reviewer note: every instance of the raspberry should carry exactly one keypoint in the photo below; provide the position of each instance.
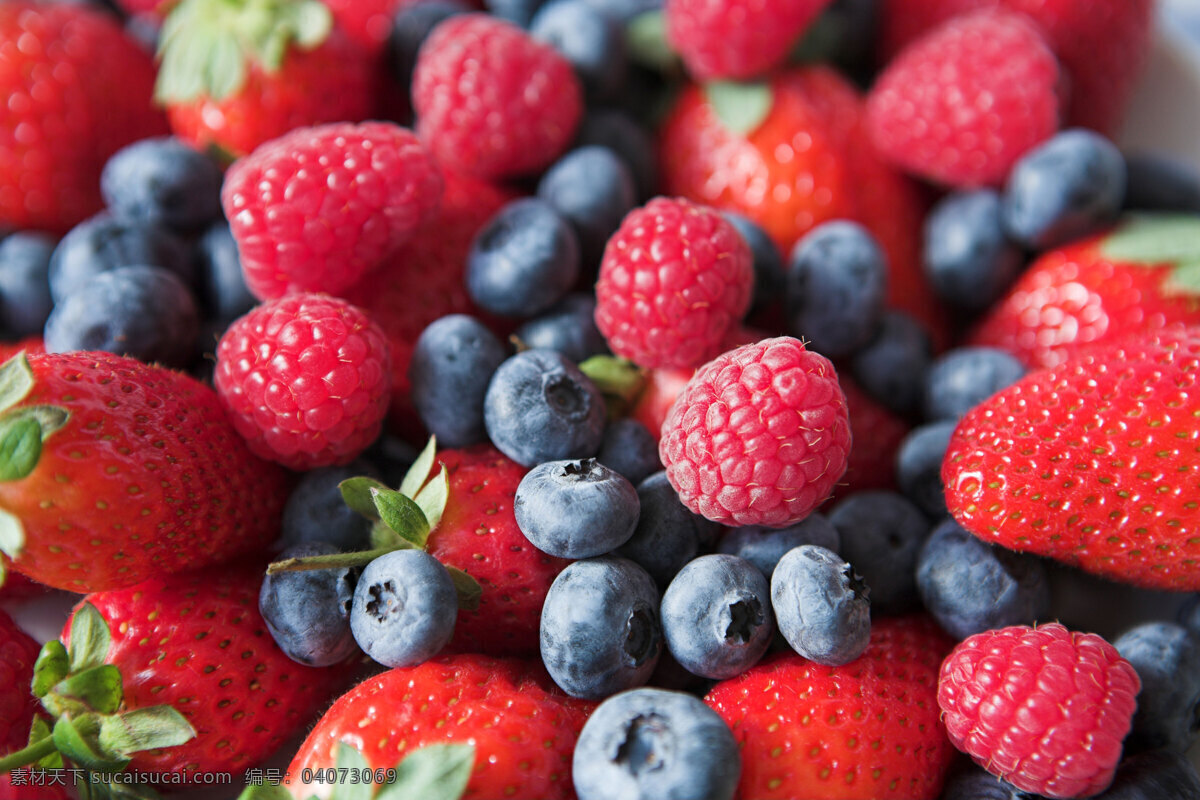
(317, 208)
(675, 280)
(960, 105)
(1045, 708)
(305, 380)
(759, 436)
(491, 101)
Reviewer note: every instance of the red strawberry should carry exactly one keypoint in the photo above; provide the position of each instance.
(235, 75)
(30, 345)
(876, 436)
(367, 22)
(1092, 463)
(26, 785)
(115, 470)
(76, 90)
(16, 586)
(18, 651)
(869, 728)
(523, 728)
(1137, 278)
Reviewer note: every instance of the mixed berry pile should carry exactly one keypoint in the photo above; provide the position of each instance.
(596, 400)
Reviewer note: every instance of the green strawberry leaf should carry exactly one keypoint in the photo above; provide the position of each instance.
(270, 791)
(646, 42)
(40, 731)
(16, 381)
(52, 666)
(144, 729)
(96, 689)
(466, 588)
(384, 538)
(12, 535)
(432, 499)
(741, 107)
(90, 639)
(356, 492)
(418, 473)
(352, 760)
(20, 447)
(1156, 239)
(403, 515)
(434, 772)
(77, 739)
(120, 790)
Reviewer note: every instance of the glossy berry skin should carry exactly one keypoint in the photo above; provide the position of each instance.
(968, 257)
(220, 282)
(576, 509)
(633, 144)
(769, 280)
(1167, 659)
(919, 466)
(964, 377)
(590, 39)
(763, 547)
(593, 188)
(821, 605)
(891, 368)
(667, 536)
(630, 449)
(318, 208)
(308, 613)
(971, 587)
(568, 327)
(492, 101)
(163, 181)
(601, 632)
(451, 366)
(17, 704)
(1013, 460)
(404, 608)
(305, 380)
(881, 534)
(685, 751)
(869, 728)
(104, 243)
(1160, 182)
(411, 26)
(675, 279)
(759, 436)
(716, 616)
(961, 104)
(25, 300)
(1045, 709)
(317, 512)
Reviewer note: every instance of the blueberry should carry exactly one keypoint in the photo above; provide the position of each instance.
(600, 630)
(523, 261)
(970, 586)
(404, 608)
(220, 282)
(592, 41)
(143, 312)
(968, 258)
(630, 449)
(919, 466)
(103, 243)
(626, 10)
(316, 512)
(973, 783)
(1063, 189)
(1161, 183)
(575, 509)
(891, 368)
(1167, 659)
(24, 283)
(770, 280)
(518, 12)
(619, 132)
(821, 605)
(843, 35)
(965, 377)
(650, 744)
(836, 283)
(452, 363)
(411, 27)
(1159, 775)
(308, 613)
(163, 182)
(881, 535)
(668, 535)
(569, 327)
(763, 547)
(716, 616)
(540, 407)
(593, 189)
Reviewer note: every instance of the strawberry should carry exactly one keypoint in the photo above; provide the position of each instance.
(1138, 277)
(114, 471)
(1092, 462)
(522, 727)
(877, 434)
(18, 651)
(869, 728)
(367, 22)
(77, 89)
(237, 74)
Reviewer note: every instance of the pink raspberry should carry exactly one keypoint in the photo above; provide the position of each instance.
(1045, 708)
(492, 101)
(759, 436)
(317, 208)
(305, 380)
(675, 281)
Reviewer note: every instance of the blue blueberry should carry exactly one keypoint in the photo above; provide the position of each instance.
(836, 286)
(519, 12)
(1161, 183)
(308, 613)
(404, 608)
(1167, 659)
(891, 368)
(622, 134)
(651, 744)
(523, 261)
(25, 301)
(881, 535)
(220, 282)
(592, 188)
(1158, 775)
(630, 449)
(316, 512)
(844, 34)
(973, 783)
(821, 605)
(540, 407)
(668, 535)
(452, 363)
(600, 630)
(763, 547)
(411, 27)
(970, 586)
(919, 466)
(968, 258)
(965, 377)
(770, 280)
(143, 312)
(591, 40)
(576, 509)
(163, 182)
(569, 327)
(1063, 189)
(626, 10)
(716, 616)
(104, 243)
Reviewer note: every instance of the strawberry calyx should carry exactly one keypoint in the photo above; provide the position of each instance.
(1158, 239)
(206, 48)
(620, 381)
(741, 107)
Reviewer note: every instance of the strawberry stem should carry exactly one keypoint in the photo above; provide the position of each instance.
(334, 561)
(31, 754)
